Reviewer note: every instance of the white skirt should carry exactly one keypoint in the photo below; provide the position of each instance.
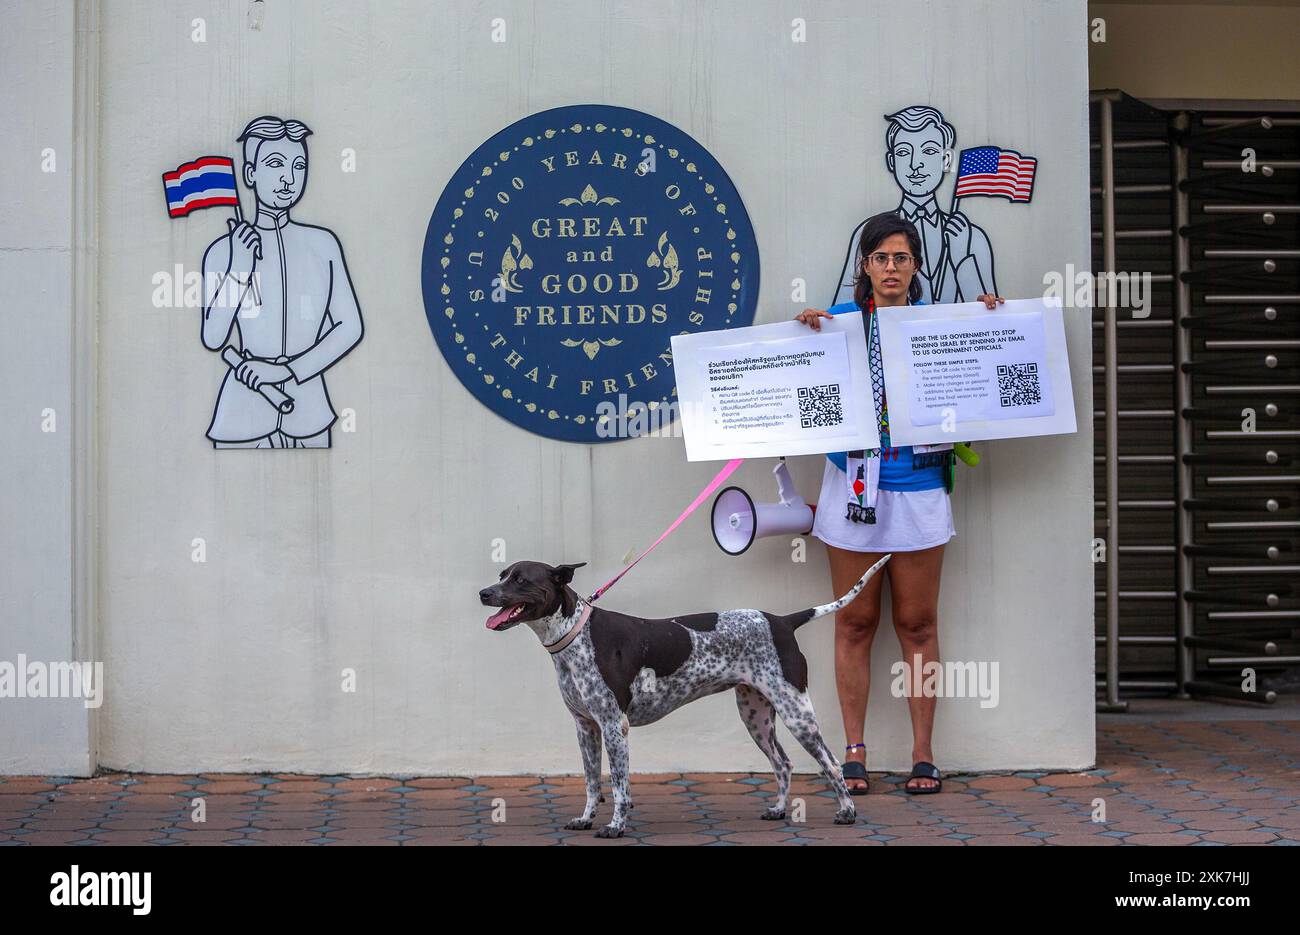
(906, 520)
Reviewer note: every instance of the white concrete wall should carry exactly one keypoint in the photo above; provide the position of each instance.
(370, 556)
(43, 503)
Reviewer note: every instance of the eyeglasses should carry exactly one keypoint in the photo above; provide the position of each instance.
(901, 260)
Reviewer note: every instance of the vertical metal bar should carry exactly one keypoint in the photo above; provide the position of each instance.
(1112, 410)
(1185, 616)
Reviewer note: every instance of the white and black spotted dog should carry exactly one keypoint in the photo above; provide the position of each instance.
(617, 671)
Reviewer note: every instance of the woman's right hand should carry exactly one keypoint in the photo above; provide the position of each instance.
(812, 318)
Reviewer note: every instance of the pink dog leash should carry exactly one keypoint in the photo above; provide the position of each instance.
(703, 495)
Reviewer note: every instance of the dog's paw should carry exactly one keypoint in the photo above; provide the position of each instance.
(578, 824)
(773, 814)
(609, 831)
(846, 816)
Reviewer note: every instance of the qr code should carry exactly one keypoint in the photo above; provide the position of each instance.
(820, 406)
(1018, 384)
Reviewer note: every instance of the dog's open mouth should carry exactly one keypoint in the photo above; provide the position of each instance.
(504, 616)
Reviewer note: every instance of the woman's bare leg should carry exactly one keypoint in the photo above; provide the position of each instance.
(855, 628)
(914, 591)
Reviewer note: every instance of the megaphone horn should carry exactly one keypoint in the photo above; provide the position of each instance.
(737, 520)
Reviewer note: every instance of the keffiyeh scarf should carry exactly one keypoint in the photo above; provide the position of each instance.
(862, 468)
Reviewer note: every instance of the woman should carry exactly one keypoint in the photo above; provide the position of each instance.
(892, 500)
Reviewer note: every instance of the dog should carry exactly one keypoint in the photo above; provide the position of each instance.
(617, 671)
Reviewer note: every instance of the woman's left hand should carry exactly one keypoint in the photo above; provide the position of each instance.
(990, 300)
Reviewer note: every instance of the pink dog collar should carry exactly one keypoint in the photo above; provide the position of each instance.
(560, 644)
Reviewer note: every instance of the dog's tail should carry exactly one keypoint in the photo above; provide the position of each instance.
(822, 610)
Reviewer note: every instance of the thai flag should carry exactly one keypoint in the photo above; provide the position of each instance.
(989, 170)
(206, 182)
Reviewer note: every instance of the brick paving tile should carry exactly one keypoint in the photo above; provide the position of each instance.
(845, 842)
(283, 836)
(289, 800)
(367, 784)
(1085, 840)
(374, 800)
(131, 839)
(91, 788)
(1072, 780)
(439, 782)
(1214, 821)
(1001, 783)
(1144, 827)
(1239, 837)
(136, 824)
(213, 823)
(24, 785)
(282, 822)
(159, 785)
(227, 788)
(439, 819)
(436, 795)
(1170, 840)
(589, 839)
(758, 837)
(366, 822)
(753, 823)
(54, 837)
(537, 839)
(719, 789)
(61, 824)
(997, 840)
(157, 802)
(678, 840)
(301, 787)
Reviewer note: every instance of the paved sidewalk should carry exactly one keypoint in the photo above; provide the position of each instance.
(1164, 782)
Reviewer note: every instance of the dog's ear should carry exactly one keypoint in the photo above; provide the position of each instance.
(563, 574)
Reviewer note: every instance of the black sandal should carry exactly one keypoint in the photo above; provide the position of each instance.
(855, 770)
(924, 770)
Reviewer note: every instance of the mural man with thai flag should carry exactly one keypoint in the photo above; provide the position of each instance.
(957, 257)
(278, 289)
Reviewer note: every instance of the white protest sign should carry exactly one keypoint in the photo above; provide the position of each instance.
(966, 373)
(775, 390)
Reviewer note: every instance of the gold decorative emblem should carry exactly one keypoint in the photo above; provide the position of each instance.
(513, 260)
(589, 197)
(665, 257)
(592, 348)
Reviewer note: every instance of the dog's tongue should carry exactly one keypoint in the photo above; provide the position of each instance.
(499, 617)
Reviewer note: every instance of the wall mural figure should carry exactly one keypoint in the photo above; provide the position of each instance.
(278, 301)
(957, 258)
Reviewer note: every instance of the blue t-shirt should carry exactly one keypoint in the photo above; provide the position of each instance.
(896, 472)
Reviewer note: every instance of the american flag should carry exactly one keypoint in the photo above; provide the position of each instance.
(989, 170)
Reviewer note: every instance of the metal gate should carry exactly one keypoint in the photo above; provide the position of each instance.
(1196, 426)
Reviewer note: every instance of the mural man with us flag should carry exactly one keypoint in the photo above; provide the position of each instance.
(957, 257)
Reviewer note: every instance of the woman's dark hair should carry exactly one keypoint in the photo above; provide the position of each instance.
(874, 232)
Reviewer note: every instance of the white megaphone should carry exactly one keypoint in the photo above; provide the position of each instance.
(737, 520)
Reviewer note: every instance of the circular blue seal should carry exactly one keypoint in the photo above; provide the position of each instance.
(564, 254)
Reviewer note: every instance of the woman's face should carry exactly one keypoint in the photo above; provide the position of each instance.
(889, 283)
